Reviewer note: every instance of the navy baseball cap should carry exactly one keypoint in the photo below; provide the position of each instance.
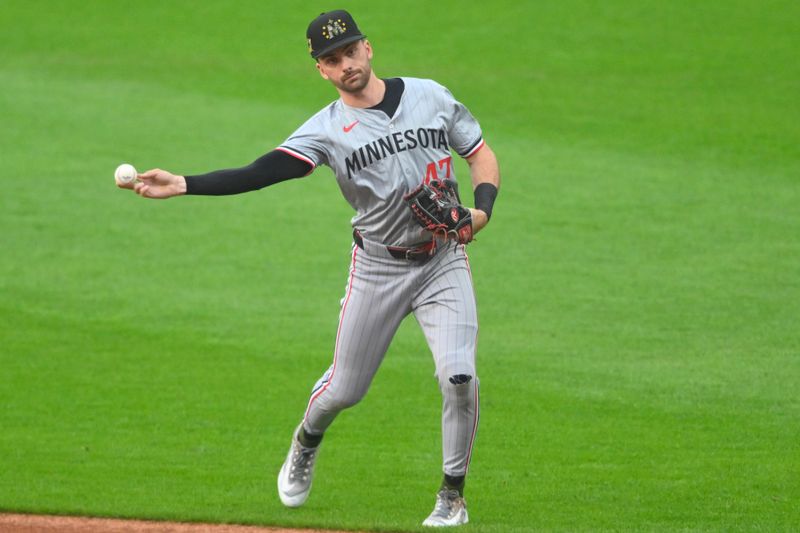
(330, 31)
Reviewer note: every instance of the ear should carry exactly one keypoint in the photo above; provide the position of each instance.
(321, 72)
(369, 49)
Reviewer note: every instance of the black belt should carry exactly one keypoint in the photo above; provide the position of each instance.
(420, 253)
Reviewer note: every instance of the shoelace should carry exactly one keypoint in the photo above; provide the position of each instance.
(444, 503)
(302, 458)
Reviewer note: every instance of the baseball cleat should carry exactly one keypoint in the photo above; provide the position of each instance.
(294, 479)
(450, 510)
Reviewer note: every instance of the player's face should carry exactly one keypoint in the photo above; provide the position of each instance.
(348, 68)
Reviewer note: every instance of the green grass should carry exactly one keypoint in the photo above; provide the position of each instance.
(638, 286)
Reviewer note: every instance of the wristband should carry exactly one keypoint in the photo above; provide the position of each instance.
(485, 194)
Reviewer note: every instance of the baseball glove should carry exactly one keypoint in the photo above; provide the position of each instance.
(437, 208)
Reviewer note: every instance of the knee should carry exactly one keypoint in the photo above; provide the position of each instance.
(460, 379)
(462, 375)
(460, 387)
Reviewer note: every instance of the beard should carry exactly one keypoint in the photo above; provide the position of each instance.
(355, 81)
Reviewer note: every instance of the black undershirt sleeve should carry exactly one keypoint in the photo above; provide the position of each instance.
(269, 169)
(276, 166)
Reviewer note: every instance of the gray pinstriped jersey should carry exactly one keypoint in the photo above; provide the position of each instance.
(378, 159)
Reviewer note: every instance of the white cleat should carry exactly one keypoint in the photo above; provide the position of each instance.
(294, 479)
(450, 510)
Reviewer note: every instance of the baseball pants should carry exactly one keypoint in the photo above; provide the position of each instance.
(381, 292)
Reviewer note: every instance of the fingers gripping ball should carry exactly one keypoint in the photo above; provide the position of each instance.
(437, 208)
(125, 174)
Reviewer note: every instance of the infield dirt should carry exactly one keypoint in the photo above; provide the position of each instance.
(23, 523)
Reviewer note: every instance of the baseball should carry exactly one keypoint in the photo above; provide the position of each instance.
(125, 173)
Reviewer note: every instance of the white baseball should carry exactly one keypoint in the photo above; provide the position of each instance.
(125, 173)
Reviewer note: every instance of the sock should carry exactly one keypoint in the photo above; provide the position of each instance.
(454, 483)
(308, 441)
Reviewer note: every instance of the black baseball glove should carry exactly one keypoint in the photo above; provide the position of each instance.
(437, 208)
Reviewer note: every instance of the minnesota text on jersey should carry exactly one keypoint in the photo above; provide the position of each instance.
(394, 143)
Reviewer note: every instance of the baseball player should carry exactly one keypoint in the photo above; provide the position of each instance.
(389, 143)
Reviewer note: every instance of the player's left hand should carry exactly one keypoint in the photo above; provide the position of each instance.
(437, 208)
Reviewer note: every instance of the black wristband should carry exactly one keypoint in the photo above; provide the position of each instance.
(485, 194)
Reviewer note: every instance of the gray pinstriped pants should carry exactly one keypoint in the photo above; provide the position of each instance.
(381, 291)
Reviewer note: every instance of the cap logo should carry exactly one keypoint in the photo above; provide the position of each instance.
(333, 28)
(330, 31)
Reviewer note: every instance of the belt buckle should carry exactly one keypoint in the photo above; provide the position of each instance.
(417, 254)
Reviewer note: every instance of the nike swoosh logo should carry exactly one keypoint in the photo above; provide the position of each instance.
(350, 127)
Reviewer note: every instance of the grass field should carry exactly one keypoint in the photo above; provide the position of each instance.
(638, 287)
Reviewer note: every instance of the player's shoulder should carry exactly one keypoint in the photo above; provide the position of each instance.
(329, 111)
(423, 84)
(428, 89)
(323, 117)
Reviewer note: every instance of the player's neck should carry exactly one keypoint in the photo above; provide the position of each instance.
(371, 95)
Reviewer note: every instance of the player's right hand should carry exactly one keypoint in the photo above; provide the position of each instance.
(159, 184)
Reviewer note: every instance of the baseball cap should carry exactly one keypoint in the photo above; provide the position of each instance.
(331, 30)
